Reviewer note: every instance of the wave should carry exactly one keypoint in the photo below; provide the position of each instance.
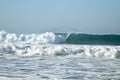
(60, 44)
(57, 38)
(62, 50)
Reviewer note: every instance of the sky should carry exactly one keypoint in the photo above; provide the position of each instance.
(38, 16)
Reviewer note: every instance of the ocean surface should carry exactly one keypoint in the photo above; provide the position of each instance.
(59, 56)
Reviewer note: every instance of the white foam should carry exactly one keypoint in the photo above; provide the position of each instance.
(22, 49)
(47, 37)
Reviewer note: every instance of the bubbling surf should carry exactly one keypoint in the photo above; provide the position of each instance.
(84, 51)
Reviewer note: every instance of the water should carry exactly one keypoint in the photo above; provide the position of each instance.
(59, 68)
(48, 56)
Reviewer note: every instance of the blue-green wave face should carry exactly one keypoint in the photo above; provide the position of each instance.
(93, 39)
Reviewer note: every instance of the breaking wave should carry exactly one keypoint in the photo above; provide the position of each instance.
(37, 44)
(98, 51)
(57, 38)
(47, 37)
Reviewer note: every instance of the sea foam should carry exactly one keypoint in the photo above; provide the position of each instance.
(21, 49)
(47, 37)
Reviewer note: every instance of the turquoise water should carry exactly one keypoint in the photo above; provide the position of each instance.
(93, 39)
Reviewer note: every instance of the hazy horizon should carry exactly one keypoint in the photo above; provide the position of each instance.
(38, 16)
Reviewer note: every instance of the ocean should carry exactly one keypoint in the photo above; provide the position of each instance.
(59, 56)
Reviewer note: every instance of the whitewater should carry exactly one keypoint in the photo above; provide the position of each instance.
(52, 56)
